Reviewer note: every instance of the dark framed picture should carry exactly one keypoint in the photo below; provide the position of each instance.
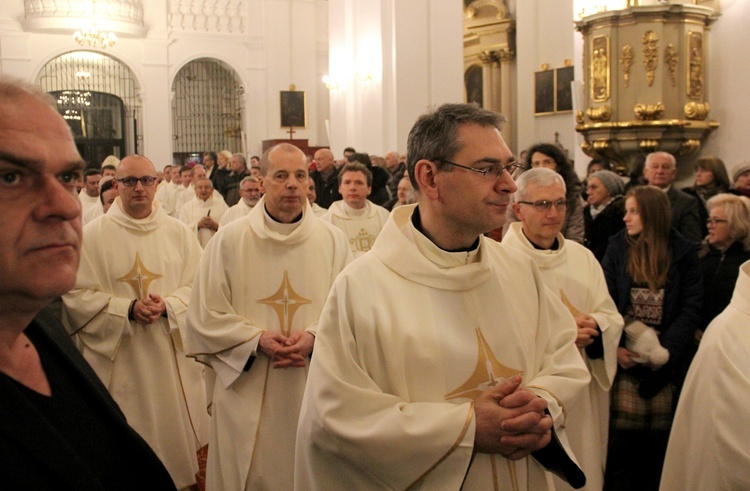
(563, 91)
(544, 92)
(293, 109)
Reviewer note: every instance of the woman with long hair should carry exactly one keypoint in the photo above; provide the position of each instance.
(653, 276)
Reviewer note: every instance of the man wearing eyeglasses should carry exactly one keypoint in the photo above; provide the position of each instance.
(127, 311)
(441, 360)
(572, 272)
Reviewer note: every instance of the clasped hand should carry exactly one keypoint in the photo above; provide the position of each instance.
(511, 420)
(586, 330)
(149, 309)
(286, 351)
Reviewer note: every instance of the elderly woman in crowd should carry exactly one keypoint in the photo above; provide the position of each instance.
(604, 211)
(653, 276)
(726, 247)
(552, 157)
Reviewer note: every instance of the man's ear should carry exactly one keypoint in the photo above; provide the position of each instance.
(425, 172)
(517, 210)
(260, 183)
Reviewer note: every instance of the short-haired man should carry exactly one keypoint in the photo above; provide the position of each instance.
(89, 195)
(253, 315)
(127, 312)
(325, 178)
(108, 170)
(105, 184)
(318, 210)
(238, 165)
(359, 218)
(660, 171)
(204, 212)
(217, 175)
(59, 427)
(250, 194)
(442, 361)
(183, 192)
(572, 272)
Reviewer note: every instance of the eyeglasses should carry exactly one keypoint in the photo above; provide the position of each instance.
(714, 221)
(544, 206)
(492, 172)
(130, 182)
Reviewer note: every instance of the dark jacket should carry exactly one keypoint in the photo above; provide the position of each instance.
(232, 185)
(220, 179)
(720, 271)
(326, 190)
(683, 294)
(35, 456)
(379, 194)
(606, 224)
(686, 215)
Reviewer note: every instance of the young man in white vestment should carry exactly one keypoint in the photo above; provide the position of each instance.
(359, 218)
(89, 195)
(165, 193)
(318, 210)
(572, 272)
(127, 313)
(204, 212)
(249, 194)
(442, 361)
(253, 316)
(709, 446)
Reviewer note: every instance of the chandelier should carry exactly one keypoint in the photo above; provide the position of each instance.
(91, 36)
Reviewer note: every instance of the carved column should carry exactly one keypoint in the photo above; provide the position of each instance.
(490, 88)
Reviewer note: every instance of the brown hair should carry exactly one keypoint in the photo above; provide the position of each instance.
(650, 255)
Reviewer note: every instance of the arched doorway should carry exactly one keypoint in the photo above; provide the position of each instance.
(99, 97)
(206, 110)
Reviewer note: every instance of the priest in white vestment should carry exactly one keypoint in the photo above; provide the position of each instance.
(249, 194)
(442, 361)
(107, 195)
(204, 212)
(89, 195)
(572, 273)
(253, 316)
(128, 312)
(312, 195)
(359, 218)
(709, 446)
(165, 193)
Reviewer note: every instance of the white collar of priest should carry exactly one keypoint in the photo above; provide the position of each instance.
(438, 255)
(279, 227)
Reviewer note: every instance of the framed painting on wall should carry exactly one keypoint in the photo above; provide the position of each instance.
(544, 92)
(293, 109)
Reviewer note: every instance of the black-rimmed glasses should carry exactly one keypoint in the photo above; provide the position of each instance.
(494, 171)
(715, 221)
(130, 182)
(543, 206)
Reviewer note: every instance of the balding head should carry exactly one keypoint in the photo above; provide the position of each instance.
(324, 160)
(136, 199)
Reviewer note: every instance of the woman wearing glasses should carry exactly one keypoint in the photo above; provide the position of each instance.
(725, 248)
(552, 157)
(653, 276)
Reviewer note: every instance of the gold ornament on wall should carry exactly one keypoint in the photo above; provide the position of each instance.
(626, 60)
(599, 114)
(580, 116)
(695, 62)
(648, 112)
(670, 59)
(600, 68)
(650, 54)
(696, 111)
(649, 145)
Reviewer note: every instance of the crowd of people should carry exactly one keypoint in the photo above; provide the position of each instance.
(451, 318)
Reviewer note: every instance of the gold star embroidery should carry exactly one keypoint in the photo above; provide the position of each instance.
(572, 308)
(285, 303)
(139, 277)
(488, 372)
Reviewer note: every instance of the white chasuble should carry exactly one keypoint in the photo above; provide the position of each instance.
(407, 341)
(195, 209)
(709, 446)
(144, 367)
(235, 212)
(258, 275)
(361, 226)
(574, 275)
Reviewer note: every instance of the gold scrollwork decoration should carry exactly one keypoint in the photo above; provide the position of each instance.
(670, 59)
(588, 148)
(600, 68)
(599, 114)
(626, 60)
(697, 111)
(689, 146)
(505, 55)
(648, 112)
(488, 57)
(602, 145)
(649, 145)
(695, 63)
(650, 54)
(580, 116)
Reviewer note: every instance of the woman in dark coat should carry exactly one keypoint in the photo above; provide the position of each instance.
(602, 215)
(653, 276)
(726, 247)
